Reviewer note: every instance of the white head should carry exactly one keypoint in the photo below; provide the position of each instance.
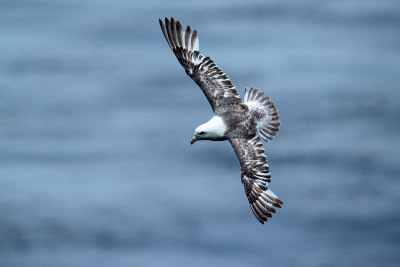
(214, 129)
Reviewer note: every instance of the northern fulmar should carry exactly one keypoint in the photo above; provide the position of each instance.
(241, 122)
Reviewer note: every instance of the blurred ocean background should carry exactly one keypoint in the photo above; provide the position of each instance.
(96, 116)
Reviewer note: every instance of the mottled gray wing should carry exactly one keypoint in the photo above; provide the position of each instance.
(213, 82)
(255, 177)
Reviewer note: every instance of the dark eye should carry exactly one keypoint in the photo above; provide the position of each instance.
(201, 133)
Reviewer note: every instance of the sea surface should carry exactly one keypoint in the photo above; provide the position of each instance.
(96, 116)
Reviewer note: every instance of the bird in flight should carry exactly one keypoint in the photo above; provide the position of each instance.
(241, 122)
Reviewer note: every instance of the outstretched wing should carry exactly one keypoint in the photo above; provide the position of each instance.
(255, 177)
(213, 82)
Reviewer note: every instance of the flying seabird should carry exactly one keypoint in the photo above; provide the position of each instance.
(241, 122)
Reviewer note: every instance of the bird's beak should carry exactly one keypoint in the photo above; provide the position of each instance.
(194, 140)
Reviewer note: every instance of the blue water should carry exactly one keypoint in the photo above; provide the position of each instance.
(96, 117)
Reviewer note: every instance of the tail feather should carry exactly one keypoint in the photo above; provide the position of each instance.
(267, 114)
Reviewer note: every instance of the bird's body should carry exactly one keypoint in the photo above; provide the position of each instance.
(241, 122)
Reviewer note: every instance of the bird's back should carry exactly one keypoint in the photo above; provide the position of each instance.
(255, 115)
(238, 118)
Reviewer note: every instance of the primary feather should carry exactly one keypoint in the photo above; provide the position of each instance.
(212, 81)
